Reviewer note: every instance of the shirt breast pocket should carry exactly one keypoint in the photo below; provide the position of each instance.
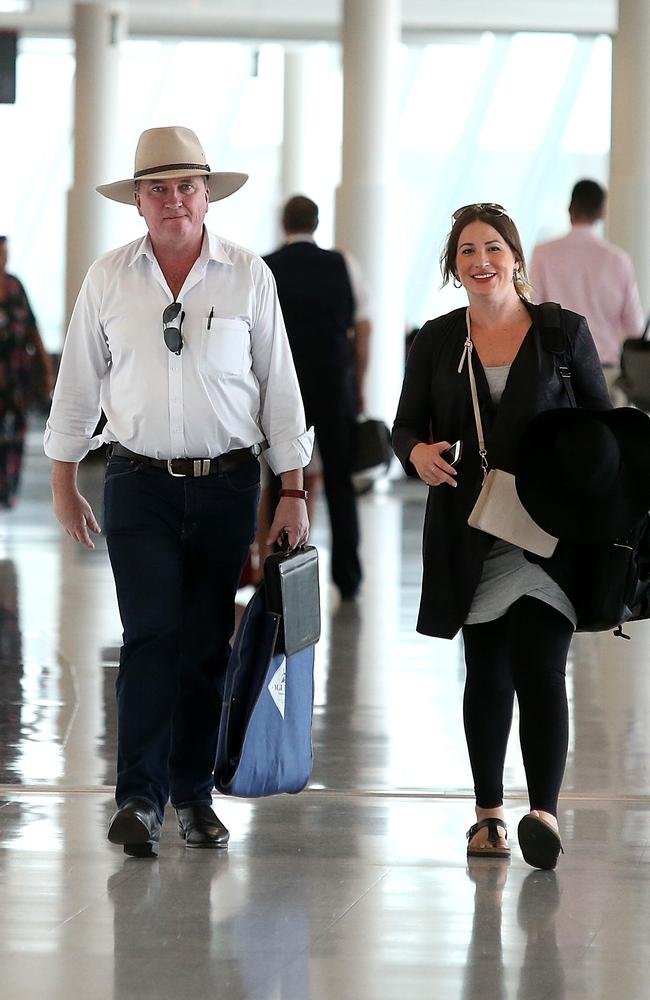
(225, 346)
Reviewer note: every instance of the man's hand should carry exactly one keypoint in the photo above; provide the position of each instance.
(72, 510)
(290, 519)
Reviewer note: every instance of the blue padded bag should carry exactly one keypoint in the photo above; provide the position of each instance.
(264, 742)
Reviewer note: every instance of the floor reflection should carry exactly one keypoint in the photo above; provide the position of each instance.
(238, 937)
(340, 759)
(12, 704)
(484, 973)
(107, 738)
(146, 904)
(541, 973)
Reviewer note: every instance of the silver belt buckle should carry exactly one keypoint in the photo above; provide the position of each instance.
(176, 475)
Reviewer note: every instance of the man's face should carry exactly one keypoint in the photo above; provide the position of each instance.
(174, 209)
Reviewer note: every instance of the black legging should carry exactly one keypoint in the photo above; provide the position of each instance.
(523, 652)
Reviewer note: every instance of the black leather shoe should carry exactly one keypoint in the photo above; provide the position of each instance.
(137, 827)
(199, 826)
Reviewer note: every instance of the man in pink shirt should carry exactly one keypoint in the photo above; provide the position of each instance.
(591, 276)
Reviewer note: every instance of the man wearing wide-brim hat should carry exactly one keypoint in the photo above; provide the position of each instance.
(178, 337)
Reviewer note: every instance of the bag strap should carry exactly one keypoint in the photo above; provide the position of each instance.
(467, 353)
(555, 341)
(646, 330)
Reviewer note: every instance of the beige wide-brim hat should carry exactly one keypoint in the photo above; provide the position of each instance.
(173, 151)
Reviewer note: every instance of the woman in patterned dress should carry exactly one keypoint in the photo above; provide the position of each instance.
(25, 375)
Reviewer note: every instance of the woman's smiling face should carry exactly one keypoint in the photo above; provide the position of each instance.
(484, 261)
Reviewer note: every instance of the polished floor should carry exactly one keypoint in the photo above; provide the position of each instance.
(356, 889)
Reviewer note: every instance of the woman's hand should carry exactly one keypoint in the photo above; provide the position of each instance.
(431, 466)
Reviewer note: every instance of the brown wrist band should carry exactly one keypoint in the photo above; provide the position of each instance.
(298, 494)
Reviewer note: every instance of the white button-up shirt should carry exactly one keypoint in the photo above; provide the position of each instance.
(232, 386)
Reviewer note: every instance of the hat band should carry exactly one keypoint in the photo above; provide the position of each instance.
(171, 166)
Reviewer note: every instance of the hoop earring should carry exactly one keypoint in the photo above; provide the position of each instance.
(457, 283)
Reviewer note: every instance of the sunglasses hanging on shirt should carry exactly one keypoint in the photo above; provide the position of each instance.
(172, 334)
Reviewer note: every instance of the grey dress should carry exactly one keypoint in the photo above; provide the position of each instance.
(507, 574)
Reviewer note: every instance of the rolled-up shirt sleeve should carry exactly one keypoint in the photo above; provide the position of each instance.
(282, 415)
(85, 361)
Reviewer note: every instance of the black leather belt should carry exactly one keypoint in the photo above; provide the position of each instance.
(193, 466)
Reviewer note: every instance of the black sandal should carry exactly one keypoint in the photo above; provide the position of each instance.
(540, 844)
(491, 849)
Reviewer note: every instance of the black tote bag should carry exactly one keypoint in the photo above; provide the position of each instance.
(371, 445)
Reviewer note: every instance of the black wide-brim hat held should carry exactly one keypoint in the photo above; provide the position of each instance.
(584, 475)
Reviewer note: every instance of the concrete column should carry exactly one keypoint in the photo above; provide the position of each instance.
(365, 203)
(629, 186)
(295, 179)
(96, 33)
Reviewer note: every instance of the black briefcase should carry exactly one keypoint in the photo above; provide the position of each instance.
(293, 592)
(634, 379)
(371, 445)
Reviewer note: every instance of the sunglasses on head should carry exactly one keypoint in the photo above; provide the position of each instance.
(490, 207)
(172, 334)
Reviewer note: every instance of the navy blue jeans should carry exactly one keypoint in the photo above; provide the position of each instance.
(177, 548)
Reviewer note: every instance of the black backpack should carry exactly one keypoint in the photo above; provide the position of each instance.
(613, 577)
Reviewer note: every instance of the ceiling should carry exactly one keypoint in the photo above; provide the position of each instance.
(313, 20)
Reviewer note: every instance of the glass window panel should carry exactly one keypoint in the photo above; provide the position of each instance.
(259, 118)
(37, 171)
(526, 91)
(442, 94)
(588, 129)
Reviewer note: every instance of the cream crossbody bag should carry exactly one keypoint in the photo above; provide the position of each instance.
(498, 510)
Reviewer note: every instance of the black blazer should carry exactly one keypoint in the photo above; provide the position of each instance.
(436, 404)
(317, 303)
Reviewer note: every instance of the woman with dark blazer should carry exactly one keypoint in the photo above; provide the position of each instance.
(515, 609)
